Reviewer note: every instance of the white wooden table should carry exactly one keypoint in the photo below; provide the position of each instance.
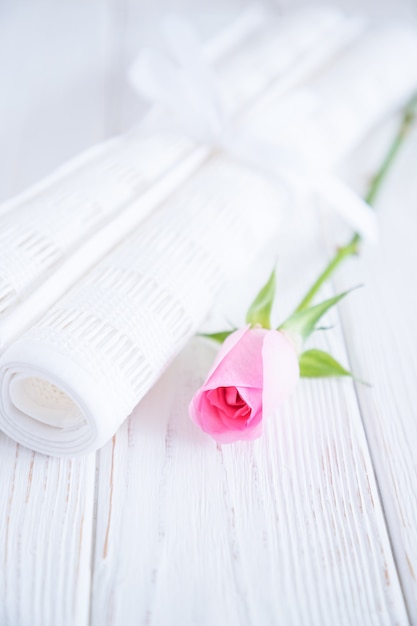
(316, 523)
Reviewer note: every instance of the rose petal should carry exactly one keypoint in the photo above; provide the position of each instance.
(280, 371)
(231, 436)
(217, 398)
(240, 363)
(204, 415)
(232, 423)
(226, 347)
(255, 371)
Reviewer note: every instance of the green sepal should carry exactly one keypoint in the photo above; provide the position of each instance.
(319, 364)
(259, 311)
(303, 323)
(220, 337)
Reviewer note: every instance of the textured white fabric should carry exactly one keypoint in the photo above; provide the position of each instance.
(51, 235)
(41, 231)
(369, 80)
(71, 379)
(183, 83)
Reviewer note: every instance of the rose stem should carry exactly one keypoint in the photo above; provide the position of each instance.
(352, 246)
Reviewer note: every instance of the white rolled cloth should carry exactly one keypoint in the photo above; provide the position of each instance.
(370, 80)
(367, 82)
(70, 381)
(52, 234)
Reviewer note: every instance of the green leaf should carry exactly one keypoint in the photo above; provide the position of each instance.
(304, 322)
(319, 364)
(220, 337)
(260, 310)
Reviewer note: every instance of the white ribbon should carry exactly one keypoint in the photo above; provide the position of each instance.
(183, 83)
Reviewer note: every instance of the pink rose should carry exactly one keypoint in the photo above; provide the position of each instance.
(254, 373)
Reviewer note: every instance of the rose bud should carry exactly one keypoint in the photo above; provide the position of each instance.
(254, 373)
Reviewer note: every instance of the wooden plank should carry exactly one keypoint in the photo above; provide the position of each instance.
(382, 338)
(53, 64)
(288, 529)
(46, 526)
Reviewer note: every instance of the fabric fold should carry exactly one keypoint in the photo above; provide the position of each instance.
(92, 320)
(70, 381)
(53, 234)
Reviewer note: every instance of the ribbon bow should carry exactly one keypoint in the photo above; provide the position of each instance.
(183, 83)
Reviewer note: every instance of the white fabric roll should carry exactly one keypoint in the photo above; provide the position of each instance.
(52, 234)
(72, 379)
(322, 123)
(366, 83)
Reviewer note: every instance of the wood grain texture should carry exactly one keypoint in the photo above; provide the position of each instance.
(46, 525)
(52, 63)
(286, 530)
(382, 338)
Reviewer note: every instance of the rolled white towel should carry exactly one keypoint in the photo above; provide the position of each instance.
(371, 79)
(70, 381)
(52, 234)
